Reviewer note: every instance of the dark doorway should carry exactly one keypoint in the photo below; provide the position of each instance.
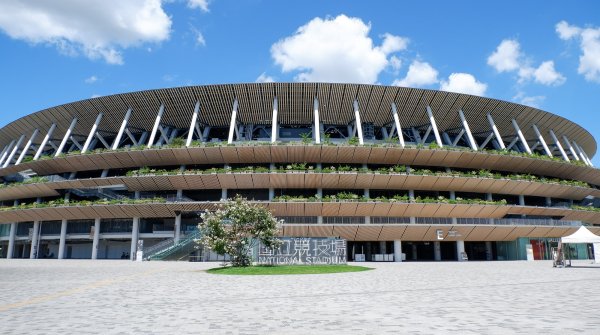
(418, 251)
(476, 251)
(448, 251)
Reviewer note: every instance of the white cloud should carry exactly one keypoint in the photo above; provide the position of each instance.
(506, 57)
(169, 78)
(393, 43)
(202, 4)
(532, 101)
(198, 36)
(91, 80)
(336, 50)
(589, 60)
(546, 74)
(463, 83)
(95, 28)
(95, 96)
(509, 58)
(566, 31)
(264, 78)
(200, 39)
(395, 63)
(419, 74)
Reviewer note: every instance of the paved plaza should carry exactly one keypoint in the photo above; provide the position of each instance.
(120, 297)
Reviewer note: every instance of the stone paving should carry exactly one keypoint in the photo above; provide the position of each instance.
(121, 297)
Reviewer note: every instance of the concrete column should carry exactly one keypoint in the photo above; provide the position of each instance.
(582, 154)
(496, 132)
(397, 251)
(4, 151)
(366, 194)
(223, 194)
(96, 238)
(558, 145)
(320, 195)
(382, 248)
(135, 232)
(488, 251)
(460, 249)
(522, 202)
(135, 229)
(411, 197)
(397, 124)
(122, 130)
(542, 140)
(317, 125)
(489, 197)
(11, 240)
(436, 133)
(521, 136)
(34, 240)
(437, 251)
(232, 124)
(271, 194)
(453, 197)
(414, 252)
(548, 201)
(27, 146)
(177, 235)
(92, 133)
(63, 239)
(274, 123)
(161, 110)
(571, 149)
(271, 189)
(65, 138)
(193, 124)
(358, 124)
(13, 152)
(472, 142)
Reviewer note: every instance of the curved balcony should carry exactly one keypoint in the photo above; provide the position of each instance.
(307, 180)
(464, 232)
(368, 207)
(254, 154)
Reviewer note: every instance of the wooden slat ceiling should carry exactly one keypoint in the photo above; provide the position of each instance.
(295, 102)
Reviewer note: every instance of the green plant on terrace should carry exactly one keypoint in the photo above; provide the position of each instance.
(177, 142)
(433, 145)
(306, 138)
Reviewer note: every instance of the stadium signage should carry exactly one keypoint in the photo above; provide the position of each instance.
(305, 251)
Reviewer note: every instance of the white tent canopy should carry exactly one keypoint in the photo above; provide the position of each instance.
(582, 235)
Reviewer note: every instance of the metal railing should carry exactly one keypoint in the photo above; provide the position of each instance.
(447, 221)
(88, 192)
(534, 222)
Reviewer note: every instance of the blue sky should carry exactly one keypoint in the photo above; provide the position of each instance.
(540, 53)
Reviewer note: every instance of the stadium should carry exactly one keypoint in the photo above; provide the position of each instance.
(400, 173)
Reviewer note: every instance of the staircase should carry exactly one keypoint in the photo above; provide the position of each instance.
(168, 250)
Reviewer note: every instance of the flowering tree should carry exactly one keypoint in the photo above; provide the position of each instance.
(236, 229)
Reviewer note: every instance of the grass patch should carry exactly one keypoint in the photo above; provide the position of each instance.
(287, 269)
